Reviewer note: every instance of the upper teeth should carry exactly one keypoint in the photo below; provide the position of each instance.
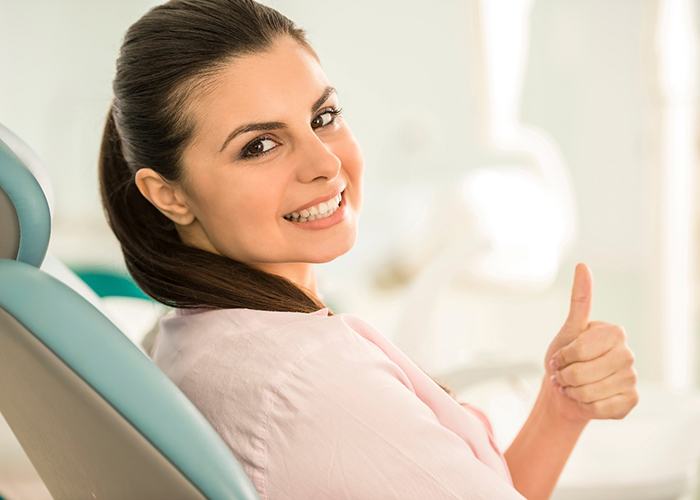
(319, 209)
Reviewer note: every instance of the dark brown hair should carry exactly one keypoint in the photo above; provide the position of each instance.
(167, 56)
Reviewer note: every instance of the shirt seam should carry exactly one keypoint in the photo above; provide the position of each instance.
(261, 473)
(275, 382)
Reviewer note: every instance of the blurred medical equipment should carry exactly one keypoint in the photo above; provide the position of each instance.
(652, 454)
(507, 227)
(93, 413)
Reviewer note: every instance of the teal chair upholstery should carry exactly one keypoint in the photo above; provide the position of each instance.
(26, 208)
(25, 222)
(95, 416)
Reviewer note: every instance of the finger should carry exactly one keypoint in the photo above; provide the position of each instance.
(616, 407)
(592, 343)
(588, 372)
(581, 292)
(617, 383)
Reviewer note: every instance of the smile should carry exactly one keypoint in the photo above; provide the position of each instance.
(332, 217)
(320, 211)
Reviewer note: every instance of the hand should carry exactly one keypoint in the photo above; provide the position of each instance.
(593, 373)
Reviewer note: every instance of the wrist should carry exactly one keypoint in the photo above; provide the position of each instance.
(547, 405)
(538, 453)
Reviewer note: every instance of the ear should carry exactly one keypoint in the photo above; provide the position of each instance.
(167, 197)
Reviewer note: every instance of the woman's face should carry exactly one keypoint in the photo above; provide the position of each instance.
(240, 180)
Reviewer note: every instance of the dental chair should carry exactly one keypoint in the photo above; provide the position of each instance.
(95, 416)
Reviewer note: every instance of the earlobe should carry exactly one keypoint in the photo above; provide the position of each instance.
(166, 196)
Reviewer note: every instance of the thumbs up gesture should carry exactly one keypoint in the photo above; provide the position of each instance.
(589, 367)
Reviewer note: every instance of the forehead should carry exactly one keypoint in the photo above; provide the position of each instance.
(281, 81)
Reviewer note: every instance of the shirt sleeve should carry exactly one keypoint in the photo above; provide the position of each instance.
(485, 420)
(344, 423)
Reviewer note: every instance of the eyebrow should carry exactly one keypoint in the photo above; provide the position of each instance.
(274, 125)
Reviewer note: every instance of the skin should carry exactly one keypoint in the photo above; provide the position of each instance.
(233, 206)
(589, 374)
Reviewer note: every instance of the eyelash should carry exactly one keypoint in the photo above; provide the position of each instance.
(335, 112)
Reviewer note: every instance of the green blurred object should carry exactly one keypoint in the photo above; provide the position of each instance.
(109, 283)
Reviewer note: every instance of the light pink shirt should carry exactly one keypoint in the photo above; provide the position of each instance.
(326, 407)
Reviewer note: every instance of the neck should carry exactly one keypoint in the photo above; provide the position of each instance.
(301, 274)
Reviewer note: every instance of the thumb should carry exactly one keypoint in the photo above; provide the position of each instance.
(581, 292)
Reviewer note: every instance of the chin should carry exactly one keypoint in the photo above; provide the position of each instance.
(334, 251)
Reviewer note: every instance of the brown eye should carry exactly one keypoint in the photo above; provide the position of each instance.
(257, 148)
(331, 115)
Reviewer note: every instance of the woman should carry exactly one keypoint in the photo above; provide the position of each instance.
(227, 171)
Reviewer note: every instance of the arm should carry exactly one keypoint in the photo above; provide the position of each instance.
(538, 453)
(591, 364)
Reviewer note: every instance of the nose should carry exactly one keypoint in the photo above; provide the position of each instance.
(317, 160)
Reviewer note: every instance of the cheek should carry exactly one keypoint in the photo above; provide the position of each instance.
(353, 162)
(237, 215)
(243, 229)
(252, 208)
(351, 154)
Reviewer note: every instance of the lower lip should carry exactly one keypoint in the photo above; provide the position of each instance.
(337, 216)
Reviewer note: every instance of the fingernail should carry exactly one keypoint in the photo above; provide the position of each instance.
(552, 364)
(561, 389)
(553, 378)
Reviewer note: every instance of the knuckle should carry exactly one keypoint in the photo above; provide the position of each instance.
(624, 411)
(634, 398)
(623, 355)
(619, 332)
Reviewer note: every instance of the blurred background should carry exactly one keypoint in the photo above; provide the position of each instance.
(505, 141)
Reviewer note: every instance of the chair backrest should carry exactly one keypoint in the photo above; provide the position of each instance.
(25, 214)
(96, 418)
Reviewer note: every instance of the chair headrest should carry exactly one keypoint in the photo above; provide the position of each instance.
(25, 202)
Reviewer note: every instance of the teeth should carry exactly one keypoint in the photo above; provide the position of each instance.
(319, 211)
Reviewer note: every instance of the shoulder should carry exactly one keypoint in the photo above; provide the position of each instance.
(235, 370)
(228, 333)
(241, 351)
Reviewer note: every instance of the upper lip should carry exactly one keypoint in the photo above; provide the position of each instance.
(327, 197)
